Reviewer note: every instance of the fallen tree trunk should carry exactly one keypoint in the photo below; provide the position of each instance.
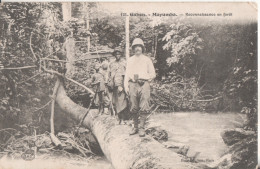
(122, 150)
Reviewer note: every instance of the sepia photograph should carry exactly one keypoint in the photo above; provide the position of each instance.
(128, 85)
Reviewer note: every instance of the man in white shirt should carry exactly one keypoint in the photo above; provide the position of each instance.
(139, 73)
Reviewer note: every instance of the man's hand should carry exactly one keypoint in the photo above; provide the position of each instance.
(150, 80)
(127, 90)
(126, 87)
(120, 89)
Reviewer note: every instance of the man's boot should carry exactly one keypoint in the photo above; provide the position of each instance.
(142, 124)
(135, 129)
(106, 111)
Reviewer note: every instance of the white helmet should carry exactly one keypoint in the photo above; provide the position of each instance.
(138, 41)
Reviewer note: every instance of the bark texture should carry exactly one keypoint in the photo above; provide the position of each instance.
(122, 150)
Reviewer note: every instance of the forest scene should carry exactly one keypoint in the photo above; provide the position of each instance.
(206, 79)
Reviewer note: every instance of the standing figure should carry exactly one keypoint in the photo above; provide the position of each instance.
(116, 83)
(104, 71)
(98, 83)
(139, 73)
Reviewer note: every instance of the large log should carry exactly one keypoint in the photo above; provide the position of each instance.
(122, 150)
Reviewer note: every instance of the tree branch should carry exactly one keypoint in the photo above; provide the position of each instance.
(29, 78)
(55, 60)
(18, 68)
(54, 139)
(209, 100)
(59, 74)
(55, 89)
(32, 48)
(42, 107)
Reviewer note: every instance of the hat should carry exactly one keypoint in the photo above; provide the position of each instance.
(138, 42)
(117, 49)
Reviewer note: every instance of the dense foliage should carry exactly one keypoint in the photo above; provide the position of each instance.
(29, 31)
(200, 66)
(197, 61)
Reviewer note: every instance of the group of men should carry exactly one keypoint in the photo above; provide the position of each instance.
(126, 85)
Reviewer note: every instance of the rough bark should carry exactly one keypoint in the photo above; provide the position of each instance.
(122, 150)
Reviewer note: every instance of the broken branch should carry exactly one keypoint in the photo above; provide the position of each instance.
(42, 106)
(54, 139)
(209, 100)
(55, 89)
(59, 74)
(32, 48)
(55, 60)
(18, 68)
(29, 78)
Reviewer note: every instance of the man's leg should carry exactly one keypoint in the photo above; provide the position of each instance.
(111, 102)
(144, 107)
(133, 106)
(143, 116)
(106, 101)
(121, 105)
(101, 102)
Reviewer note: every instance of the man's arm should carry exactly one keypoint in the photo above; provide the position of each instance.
(109, 70)
(119, 75)
(93, 80)
(126, 79)
(151, 70)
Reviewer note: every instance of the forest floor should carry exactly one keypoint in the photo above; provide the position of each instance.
(41, 162)
(200, 132)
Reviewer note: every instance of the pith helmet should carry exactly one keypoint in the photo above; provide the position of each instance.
(117, 49)
(138, 41)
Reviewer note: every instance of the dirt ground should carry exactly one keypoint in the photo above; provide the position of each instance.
(55, 163)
